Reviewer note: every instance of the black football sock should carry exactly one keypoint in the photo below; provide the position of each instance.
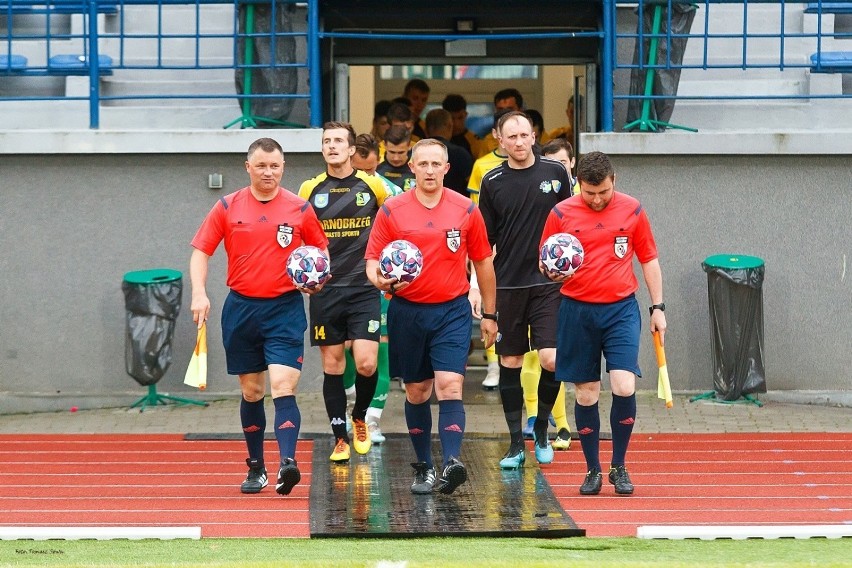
(335, 404)
(512, 397)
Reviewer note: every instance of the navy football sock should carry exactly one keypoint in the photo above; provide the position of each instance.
(621, 419)
(253, 419)
(418, 418)
(451, 424)
(589, 428)
(288, 420)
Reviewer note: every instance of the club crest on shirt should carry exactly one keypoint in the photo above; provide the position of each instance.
(553, 185)
(453, 239)
(284, 235)
(620, 246)
(321, 200)
(362, 198)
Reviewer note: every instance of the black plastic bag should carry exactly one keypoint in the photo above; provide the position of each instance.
(736, 328)
(152, 308)
(269, 49)
(670, 52)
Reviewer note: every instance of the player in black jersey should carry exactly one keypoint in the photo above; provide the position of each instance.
(516, 198)
(346, 201)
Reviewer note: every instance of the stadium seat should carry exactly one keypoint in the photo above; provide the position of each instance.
(831, 62)
(61, 8)
(70, 64)
(829, 8)
(12, 63)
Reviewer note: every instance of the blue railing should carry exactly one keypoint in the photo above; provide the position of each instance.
(793, 49)
(107, 41)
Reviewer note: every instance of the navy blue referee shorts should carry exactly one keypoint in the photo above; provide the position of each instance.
(258, 332)
(588, 330)
(424, 338)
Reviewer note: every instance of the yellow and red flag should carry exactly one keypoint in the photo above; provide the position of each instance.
(196, 373)
(664, 387)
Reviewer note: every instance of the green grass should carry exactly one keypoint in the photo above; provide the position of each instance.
(432, 552)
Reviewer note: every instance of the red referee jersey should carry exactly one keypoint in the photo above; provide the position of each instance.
(610, 239)
(446, 235)
(259, 237)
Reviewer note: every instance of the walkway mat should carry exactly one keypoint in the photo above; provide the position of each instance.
(371, 496)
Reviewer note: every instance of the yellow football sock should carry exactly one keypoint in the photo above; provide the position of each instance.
(530, 373)
(560, 415)
(491, 355)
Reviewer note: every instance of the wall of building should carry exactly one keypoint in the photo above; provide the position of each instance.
(75, 223)
(72, 226)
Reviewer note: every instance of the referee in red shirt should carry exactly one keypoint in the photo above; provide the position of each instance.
(599, 313)
(263, 318)
(429, 319)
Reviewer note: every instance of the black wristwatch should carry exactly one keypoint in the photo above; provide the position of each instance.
(661, 306)
(493, 316)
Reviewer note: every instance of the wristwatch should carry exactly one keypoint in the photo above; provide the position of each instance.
(493, 316)
(661, 306)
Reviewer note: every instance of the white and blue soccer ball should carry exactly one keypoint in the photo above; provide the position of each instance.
(401, 260)
(562, 254)
(308, 267)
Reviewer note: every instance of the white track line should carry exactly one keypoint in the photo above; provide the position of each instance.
(98, 533)
(742, 532)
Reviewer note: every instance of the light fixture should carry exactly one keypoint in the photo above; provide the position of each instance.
(465, 25)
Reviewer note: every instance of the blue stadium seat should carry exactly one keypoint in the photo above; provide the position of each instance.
(12, 63)
(831, 62)
(829, 8)
(62, 8)
(70, 64)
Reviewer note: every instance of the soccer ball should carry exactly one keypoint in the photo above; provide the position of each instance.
(308, 267)
(401, 260)
(562, 254)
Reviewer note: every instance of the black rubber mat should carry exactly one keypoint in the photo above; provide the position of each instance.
(371, 496)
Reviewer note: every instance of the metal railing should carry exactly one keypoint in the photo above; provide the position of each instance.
(204, 43)
(746, 50)
(33, 36)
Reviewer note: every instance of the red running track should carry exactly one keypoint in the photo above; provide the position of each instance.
(146, 481)
(164, 480)
(714, 479)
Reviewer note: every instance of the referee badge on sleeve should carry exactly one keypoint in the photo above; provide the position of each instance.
(284, 235)
(453, 239)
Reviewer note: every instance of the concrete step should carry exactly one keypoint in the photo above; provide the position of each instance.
(769, 115)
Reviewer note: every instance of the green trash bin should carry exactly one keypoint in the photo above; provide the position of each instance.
(152, 299)
(735, 292)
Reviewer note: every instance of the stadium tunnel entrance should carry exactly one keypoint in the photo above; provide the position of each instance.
(547, 49)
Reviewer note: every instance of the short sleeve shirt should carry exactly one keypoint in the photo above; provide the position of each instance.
(346, 208)
(259, 237)
(610, 239)
(515, 204)
(446, 235)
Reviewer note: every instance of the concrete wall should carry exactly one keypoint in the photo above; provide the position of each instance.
(72, 226)
(74, 223)
(759, 195)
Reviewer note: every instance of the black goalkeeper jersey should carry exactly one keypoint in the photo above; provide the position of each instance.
(346, 208)
(515, 205)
